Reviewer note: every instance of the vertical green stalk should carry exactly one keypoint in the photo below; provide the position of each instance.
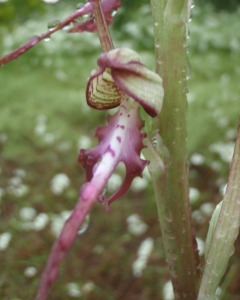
(225, 232)
(171, 188)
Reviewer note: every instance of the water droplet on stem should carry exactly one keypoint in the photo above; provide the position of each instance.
(53, 24)
(84, 226)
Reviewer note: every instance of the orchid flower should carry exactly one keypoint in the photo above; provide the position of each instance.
(122, 79)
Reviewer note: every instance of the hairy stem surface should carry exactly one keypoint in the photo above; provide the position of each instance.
(171, 188)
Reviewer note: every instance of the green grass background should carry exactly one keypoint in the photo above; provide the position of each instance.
(50, 81)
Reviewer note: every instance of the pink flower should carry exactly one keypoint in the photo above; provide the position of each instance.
(122, 79)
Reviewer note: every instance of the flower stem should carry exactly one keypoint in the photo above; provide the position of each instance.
(225, 232)
(171, 188)
(102, 28)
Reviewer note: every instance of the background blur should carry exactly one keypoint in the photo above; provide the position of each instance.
(44, 121)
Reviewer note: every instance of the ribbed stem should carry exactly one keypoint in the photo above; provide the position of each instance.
(171, 189)
(225, 232)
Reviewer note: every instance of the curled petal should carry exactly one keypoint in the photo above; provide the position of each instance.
(130, 75)
(102, 92)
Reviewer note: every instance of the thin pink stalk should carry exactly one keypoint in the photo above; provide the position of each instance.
(63, 244)
(107, 5)
(24, 48)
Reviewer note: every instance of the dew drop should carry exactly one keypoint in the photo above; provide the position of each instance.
(168, 216)
(65, 27)
(192, 6)
(53, 24)
(188, 66)
(157, 45)
(114, 13)
(156, 23)
(84, 226)
(209, 261)
(226, 213)
(33, 37)
(47, 39)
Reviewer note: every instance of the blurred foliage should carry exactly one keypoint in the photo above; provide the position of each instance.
(49, 81)
(219, 5)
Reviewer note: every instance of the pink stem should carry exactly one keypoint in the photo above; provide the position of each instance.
(63, 244)
(24, 48)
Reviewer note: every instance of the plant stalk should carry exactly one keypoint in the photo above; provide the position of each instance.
(102, 28)
(171, 188)
(225, 232)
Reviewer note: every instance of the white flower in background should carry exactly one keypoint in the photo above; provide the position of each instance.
(58, 222)
(168, 291)
(88, 287)
(98, 249)
(5, 239)
(3, 137)
(27, 213)
(40, 127)
(59, 183)
(40, 221)
(135, 225)
(207, 209)
(193, 195)
(198, 216)
(49, 138)
(15, 181)
(201, 246)
(216, 165)
(139, 184)
(84, 142)
(225, 151)
(19, 173)
(144, 252)
(197, 159)
(30, 272)
(31, 221)
(16, 187)
(73, 290)
(114, 182)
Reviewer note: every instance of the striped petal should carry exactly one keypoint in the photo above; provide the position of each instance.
(102, 91)
(123, 70)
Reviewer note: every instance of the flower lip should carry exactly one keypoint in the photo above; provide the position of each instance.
(120, 141)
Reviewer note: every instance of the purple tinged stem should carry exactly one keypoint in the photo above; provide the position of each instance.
(102, 28)
(63, 244)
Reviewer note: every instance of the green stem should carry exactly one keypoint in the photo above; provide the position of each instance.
(102, 28)
(171, 189)
(225, 232)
